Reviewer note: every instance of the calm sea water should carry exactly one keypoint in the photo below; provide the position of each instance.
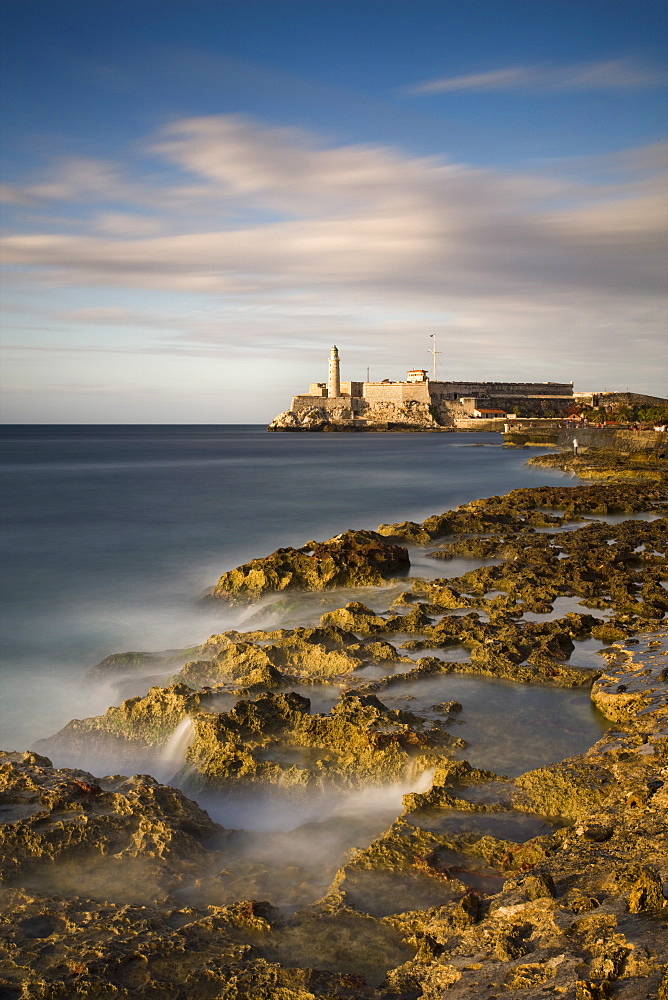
(109, 534)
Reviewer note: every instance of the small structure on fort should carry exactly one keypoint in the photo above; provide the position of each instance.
(418, 403)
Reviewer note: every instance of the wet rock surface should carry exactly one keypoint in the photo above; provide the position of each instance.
(549, 883)
(126, 732)
(54, 814)
(353, 559)
(628, 461)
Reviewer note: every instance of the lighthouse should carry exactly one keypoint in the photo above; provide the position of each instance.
(334, 383)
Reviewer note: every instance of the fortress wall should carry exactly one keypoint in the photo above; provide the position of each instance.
(510, 399)
(388, 393)
(400, 393)
(383, 403)
(352, 388)
(534, 404)
(396, 392)
(415, 391)
(507, 389)
(447, 410)
(301, 403)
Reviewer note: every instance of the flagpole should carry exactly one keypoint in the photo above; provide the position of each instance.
(434, 352)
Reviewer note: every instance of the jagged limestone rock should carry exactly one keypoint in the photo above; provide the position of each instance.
(126, 732)
(412, 415)
(61, 814)
(353, 559)
(571, 789)
(313, 654)
(579, 907)
(275, 740)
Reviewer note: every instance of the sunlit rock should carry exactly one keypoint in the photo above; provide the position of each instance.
(353, 559)
(274, 740)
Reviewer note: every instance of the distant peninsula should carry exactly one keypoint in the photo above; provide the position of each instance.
(423, 404)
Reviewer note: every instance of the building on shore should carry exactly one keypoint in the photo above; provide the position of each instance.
(418, 403)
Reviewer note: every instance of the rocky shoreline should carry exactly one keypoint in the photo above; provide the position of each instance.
(550, 882)
(411, 417)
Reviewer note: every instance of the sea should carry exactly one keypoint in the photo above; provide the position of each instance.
(110, 534)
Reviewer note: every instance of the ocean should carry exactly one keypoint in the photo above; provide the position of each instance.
(110, 534)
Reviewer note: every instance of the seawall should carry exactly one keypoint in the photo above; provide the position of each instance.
(599, 439)
(623, 442)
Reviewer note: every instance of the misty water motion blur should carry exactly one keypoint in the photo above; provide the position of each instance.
(110, 536)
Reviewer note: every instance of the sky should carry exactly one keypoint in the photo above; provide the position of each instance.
(200, 197)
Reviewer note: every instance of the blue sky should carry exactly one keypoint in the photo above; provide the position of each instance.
(201, 197)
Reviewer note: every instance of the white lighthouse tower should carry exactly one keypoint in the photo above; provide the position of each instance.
(334, 383)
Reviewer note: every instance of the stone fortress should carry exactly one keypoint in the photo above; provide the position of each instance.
(419, 403)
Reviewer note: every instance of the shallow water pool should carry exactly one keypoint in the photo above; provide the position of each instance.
(509, 728)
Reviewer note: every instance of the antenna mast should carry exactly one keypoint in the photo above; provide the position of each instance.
(434, 352)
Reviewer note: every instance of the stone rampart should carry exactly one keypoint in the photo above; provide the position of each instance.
(445, 396)
(301, 403)
(543, 406)
(398, 393)
(510, 390)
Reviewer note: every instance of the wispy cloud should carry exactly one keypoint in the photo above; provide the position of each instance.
(511, 78)
(361, 242)
(610, 74)
(352, 218)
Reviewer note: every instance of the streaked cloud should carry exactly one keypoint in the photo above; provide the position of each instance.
(11, 194)
(511, 78)
(610, 74)
(292, 241)
(347, 217)
(127, 224)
